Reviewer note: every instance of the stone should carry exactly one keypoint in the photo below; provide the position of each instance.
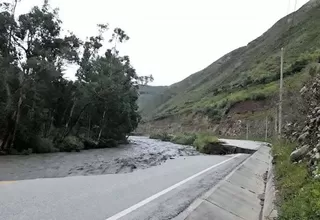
(298, 154)
(303, 136)
(317, 156)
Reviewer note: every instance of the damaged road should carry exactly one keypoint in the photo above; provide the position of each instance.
(159, 192)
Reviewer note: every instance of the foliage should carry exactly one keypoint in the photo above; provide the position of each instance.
(161, 136)
(184, 139)
(250, 72)
(36, 101)
(71, 143)
(203, 140)
(298, 192)
(43, 145)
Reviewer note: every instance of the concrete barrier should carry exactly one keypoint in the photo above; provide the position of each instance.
(238, 197)
(269, 208)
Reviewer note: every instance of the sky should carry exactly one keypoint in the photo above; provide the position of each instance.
(172, 39)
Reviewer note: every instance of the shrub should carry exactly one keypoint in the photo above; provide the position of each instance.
(107, 143)
(26, 152)
(71, 143)
(184, 139)
(43, 145)
(161, 136)
(258, 96)
(89, 144)
(203, 140)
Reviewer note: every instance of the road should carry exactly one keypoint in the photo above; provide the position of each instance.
(159, 192)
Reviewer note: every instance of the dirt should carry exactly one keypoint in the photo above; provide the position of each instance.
(247, 106)
(141, 153)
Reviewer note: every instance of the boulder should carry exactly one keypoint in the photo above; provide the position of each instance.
(298, 154)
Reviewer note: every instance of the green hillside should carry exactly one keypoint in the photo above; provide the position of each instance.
(247, 73)
(147, 98)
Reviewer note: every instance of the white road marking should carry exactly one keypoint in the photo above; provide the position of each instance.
(157, 195)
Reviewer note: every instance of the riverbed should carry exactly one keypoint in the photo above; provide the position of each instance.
(140, 153)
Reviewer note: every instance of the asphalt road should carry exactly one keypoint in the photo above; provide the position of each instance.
(159, 192)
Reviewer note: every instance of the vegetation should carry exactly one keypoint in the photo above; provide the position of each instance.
(200, 141)
(184, 139)
(147, 99)
(161, 136)
(247, 73)
(40, 110)
(203, 140)
(298, 191)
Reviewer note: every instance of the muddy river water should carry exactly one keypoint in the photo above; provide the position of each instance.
(141, 153)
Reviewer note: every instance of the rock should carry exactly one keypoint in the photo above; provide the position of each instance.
(298, 154)
(317, 156)
(303, 90)
(303, 136)
(261, 197)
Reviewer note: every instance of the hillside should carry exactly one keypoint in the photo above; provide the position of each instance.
(147, 98)
(246, 75)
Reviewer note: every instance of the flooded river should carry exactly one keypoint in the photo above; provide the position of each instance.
(141, 153)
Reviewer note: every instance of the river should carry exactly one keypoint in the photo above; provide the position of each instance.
(141, 153)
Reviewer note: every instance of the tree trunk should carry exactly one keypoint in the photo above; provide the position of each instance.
(8, 135)
(76, 122)
(89, 127)
(12, 126)
(9, 98)
(48, 126)
(17, 118)
(101, 126)
(71, 113)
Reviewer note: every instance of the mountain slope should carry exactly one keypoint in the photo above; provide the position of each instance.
(247, 73)
(147, 97)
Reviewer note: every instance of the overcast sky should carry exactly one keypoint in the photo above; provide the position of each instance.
(172, 39)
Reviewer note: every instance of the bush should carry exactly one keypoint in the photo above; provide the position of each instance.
(43, 145)
(161, 136)
(89, 144)
(107, 143)
(203, 140)
(184, 139)
(258, 97)
(71, 143)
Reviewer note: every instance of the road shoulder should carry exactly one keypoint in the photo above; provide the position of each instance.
(238, 196)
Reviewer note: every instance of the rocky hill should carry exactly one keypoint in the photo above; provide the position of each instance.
(243, 84)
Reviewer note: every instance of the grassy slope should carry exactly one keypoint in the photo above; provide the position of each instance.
(249, 70)
(298, 193)
(147, 97)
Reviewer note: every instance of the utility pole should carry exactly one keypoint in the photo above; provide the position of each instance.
(247, 133)
(281, 95)
(276, 123)
(266, 135)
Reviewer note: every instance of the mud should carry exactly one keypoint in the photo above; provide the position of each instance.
(141, 153)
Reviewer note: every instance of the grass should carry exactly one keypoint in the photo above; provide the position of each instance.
(203, 140)
(161, 136)
(298, 192)
(200, 141)
(184, 139)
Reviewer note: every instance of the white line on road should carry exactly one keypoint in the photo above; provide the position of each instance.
(155, 196)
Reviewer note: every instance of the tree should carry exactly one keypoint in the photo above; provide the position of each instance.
(37, 103)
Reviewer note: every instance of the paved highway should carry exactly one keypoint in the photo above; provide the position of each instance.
(159, 192)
